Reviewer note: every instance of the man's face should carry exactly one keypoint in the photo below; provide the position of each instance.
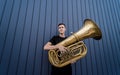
(61, 29)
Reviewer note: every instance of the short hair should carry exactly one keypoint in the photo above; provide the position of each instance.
(61, 24)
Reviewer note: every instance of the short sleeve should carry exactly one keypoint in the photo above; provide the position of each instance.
(52, 40)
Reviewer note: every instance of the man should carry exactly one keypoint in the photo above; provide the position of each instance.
(66, 70)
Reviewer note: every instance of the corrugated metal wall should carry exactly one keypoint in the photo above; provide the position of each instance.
(26, 25)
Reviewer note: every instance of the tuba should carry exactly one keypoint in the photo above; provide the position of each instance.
(76, 48)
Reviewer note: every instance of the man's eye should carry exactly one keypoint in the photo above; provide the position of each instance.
(61, 27)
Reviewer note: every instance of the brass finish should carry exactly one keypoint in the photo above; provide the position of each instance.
(76, 48)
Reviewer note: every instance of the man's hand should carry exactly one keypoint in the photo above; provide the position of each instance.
(61, 48)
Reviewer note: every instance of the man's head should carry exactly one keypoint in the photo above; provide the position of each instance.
(61, 28)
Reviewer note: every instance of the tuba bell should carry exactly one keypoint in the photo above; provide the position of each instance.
(76, 48)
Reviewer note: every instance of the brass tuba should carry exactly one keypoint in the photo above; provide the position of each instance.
(76, 48)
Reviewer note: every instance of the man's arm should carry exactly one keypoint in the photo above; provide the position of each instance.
(49, 46)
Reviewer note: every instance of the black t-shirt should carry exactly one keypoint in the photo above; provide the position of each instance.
(56, 39)
(66, 70)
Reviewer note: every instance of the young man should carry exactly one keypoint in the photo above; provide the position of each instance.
(66, 70)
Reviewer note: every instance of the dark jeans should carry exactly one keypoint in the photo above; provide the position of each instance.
(66, 70)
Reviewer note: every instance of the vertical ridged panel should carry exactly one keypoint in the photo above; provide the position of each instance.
(26, 25)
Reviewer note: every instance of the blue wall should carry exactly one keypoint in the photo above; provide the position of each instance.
(26, 25)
